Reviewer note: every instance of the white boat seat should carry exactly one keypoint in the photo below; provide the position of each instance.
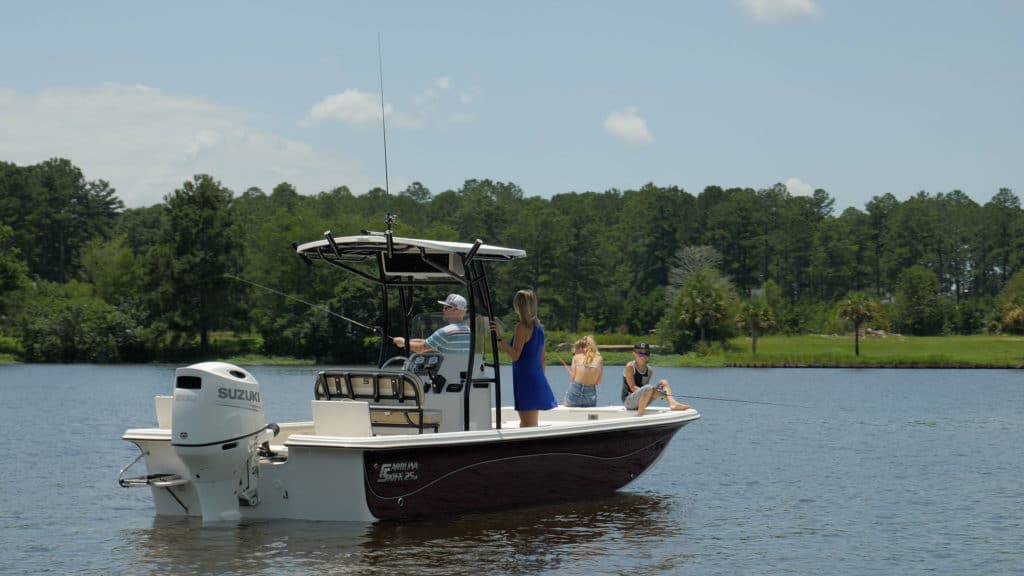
(394, 397)
(347, 418)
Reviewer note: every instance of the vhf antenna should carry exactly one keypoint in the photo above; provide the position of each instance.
(389, 218)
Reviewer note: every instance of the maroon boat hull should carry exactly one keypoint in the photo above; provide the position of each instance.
(452, 479)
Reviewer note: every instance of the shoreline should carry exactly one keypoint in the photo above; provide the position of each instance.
(876, 366)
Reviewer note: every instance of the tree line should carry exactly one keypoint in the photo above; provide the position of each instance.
(83, 279)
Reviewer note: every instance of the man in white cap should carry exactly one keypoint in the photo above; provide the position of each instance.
(451, 339)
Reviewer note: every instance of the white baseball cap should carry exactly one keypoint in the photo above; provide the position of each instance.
(454, 301)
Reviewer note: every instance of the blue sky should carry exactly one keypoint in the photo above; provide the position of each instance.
(859, 97)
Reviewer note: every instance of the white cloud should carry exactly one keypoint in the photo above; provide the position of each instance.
(146, 143)
(431, 94)
(202, 140)
(629, 126)
(437, 104)
(350, 107)
(798, 187)
(774, 10)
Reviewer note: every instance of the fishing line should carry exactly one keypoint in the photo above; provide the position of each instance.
(735, 400)
(314, 306)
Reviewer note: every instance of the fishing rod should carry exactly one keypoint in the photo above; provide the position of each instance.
(563, 363)
(300, 300)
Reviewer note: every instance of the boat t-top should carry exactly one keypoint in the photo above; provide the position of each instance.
(419, 434)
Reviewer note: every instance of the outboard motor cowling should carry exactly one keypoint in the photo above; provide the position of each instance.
(217, 426)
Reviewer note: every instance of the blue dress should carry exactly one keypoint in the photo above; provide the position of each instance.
(529, 385)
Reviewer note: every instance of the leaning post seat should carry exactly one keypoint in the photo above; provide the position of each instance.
(394, 397)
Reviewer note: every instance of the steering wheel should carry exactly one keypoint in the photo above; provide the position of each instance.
(402, 360)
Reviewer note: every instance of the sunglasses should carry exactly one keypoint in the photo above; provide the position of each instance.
(642, 354)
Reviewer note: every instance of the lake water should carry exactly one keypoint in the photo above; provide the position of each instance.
(856, 472)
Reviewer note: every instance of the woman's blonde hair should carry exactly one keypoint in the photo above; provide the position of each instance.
(588, 346)
(525, 304)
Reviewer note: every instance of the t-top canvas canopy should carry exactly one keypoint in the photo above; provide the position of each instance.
(413, 257)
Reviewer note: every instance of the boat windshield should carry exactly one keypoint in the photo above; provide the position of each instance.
(426, 323)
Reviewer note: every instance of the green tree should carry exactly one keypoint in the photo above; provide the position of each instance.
(755, 316)
(543, 234)
(53, 211)
(648, 227)
(486, 209)
(113, 269)
(1011, 305)
(643, 311)
(67, 323)
(857, 309)
(582, 265)
(997, 247)
(958, 216)
(735, 229)
(12, 268)
(418, 193)
(793, 242)
(701, 309)
(918, 309)
(198, 247)
(832, 269)
(13, 277)
(911, 236)
(879, 210)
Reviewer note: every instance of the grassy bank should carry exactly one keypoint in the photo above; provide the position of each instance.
(980, 351)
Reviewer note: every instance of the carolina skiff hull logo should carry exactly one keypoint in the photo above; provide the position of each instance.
(398, 472)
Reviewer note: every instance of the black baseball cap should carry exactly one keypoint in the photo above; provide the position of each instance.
(642, 347)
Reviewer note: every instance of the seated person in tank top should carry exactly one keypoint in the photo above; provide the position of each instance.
(637, 390)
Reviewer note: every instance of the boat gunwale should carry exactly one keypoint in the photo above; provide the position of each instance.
(554, 429)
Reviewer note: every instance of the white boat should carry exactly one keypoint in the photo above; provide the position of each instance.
(420, 435)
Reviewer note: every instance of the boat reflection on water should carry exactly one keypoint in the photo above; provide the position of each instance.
(596, 534)
(529, 540)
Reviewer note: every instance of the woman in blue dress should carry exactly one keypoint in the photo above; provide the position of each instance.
(529, 384)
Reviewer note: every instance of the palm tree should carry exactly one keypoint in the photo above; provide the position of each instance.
(858, 309)
(755, 315)
(704, 301)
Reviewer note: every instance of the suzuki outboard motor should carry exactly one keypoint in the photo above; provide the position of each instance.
(217, 426)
